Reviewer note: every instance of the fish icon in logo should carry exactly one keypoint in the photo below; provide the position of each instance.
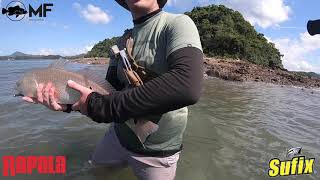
(294, 151)
(15, 9)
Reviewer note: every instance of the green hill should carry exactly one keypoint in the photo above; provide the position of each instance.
(224, 33)
(101, 49)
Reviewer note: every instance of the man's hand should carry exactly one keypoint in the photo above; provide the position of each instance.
(81, 105)
(45, 96)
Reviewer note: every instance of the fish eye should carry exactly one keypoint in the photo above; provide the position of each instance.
(90, 87)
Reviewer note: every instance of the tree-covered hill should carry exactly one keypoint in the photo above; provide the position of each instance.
(224, 33)
(101, 49)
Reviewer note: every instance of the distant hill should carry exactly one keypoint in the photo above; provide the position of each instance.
(308, 74)
(17, 53)
(79, 56)
(21, 56)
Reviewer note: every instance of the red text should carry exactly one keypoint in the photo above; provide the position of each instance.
(30, 164)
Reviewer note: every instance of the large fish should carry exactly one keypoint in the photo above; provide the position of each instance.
(58, 76)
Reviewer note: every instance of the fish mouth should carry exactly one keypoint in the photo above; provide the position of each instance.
(18, 95)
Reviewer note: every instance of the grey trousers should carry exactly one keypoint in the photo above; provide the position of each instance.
(109, 152)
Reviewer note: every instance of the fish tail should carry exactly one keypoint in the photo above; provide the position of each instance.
(4, 11)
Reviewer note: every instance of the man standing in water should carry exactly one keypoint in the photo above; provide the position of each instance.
(169, 45)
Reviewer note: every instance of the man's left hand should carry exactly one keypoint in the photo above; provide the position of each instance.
(81, 105)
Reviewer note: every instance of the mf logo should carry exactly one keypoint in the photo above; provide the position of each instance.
(16, 11)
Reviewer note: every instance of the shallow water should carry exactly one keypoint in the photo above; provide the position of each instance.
(233, 132)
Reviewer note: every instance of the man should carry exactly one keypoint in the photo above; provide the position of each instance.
(169, 45)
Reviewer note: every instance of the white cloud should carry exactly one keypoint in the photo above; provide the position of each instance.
(74, 51)
(77, 6)
(182, 5)
(89, 47)
(55, 25)
(65, 51)
(66, 27)
(264, 13)
(299, 54)
(172, 2)
(92, 14)
(46, 51)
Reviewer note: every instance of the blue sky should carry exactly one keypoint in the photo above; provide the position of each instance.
(73, 27)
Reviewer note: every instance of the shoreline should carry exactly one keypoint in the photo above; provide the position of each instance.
(238, 70)
(94, 60)
(243, 71)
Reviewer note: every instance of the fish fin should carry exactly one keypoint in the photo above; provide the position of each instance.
(17, 15)
(4, 11)
(96, 76)
(59, 64)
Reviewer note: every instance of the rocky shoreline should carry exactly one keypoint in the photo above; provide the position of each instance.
(238, 70)
(94, 60)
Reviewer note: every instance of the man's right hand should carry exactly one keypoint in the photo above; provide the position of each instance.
(45, 96)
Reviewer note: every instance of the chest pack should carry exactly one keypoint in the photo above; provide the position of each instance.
(136, 75)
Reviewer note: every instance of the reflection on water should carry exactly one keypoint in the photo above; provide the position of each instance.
(232, 133)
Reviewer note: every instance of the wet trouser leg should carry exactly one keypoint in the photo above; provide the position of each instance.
(154, 168)
(109, 152)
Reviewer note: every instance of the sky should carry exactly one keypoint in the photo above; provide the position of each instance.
(73, 27)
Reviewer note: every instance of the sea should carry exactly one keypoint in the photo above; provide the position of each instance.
(233, 132)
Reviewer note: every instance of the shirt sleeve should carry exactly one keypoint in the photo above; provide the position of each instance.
(182, 32)
(177, 88)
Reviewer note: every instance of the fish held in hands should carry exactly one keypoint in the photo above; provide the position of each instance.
(59, 76)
